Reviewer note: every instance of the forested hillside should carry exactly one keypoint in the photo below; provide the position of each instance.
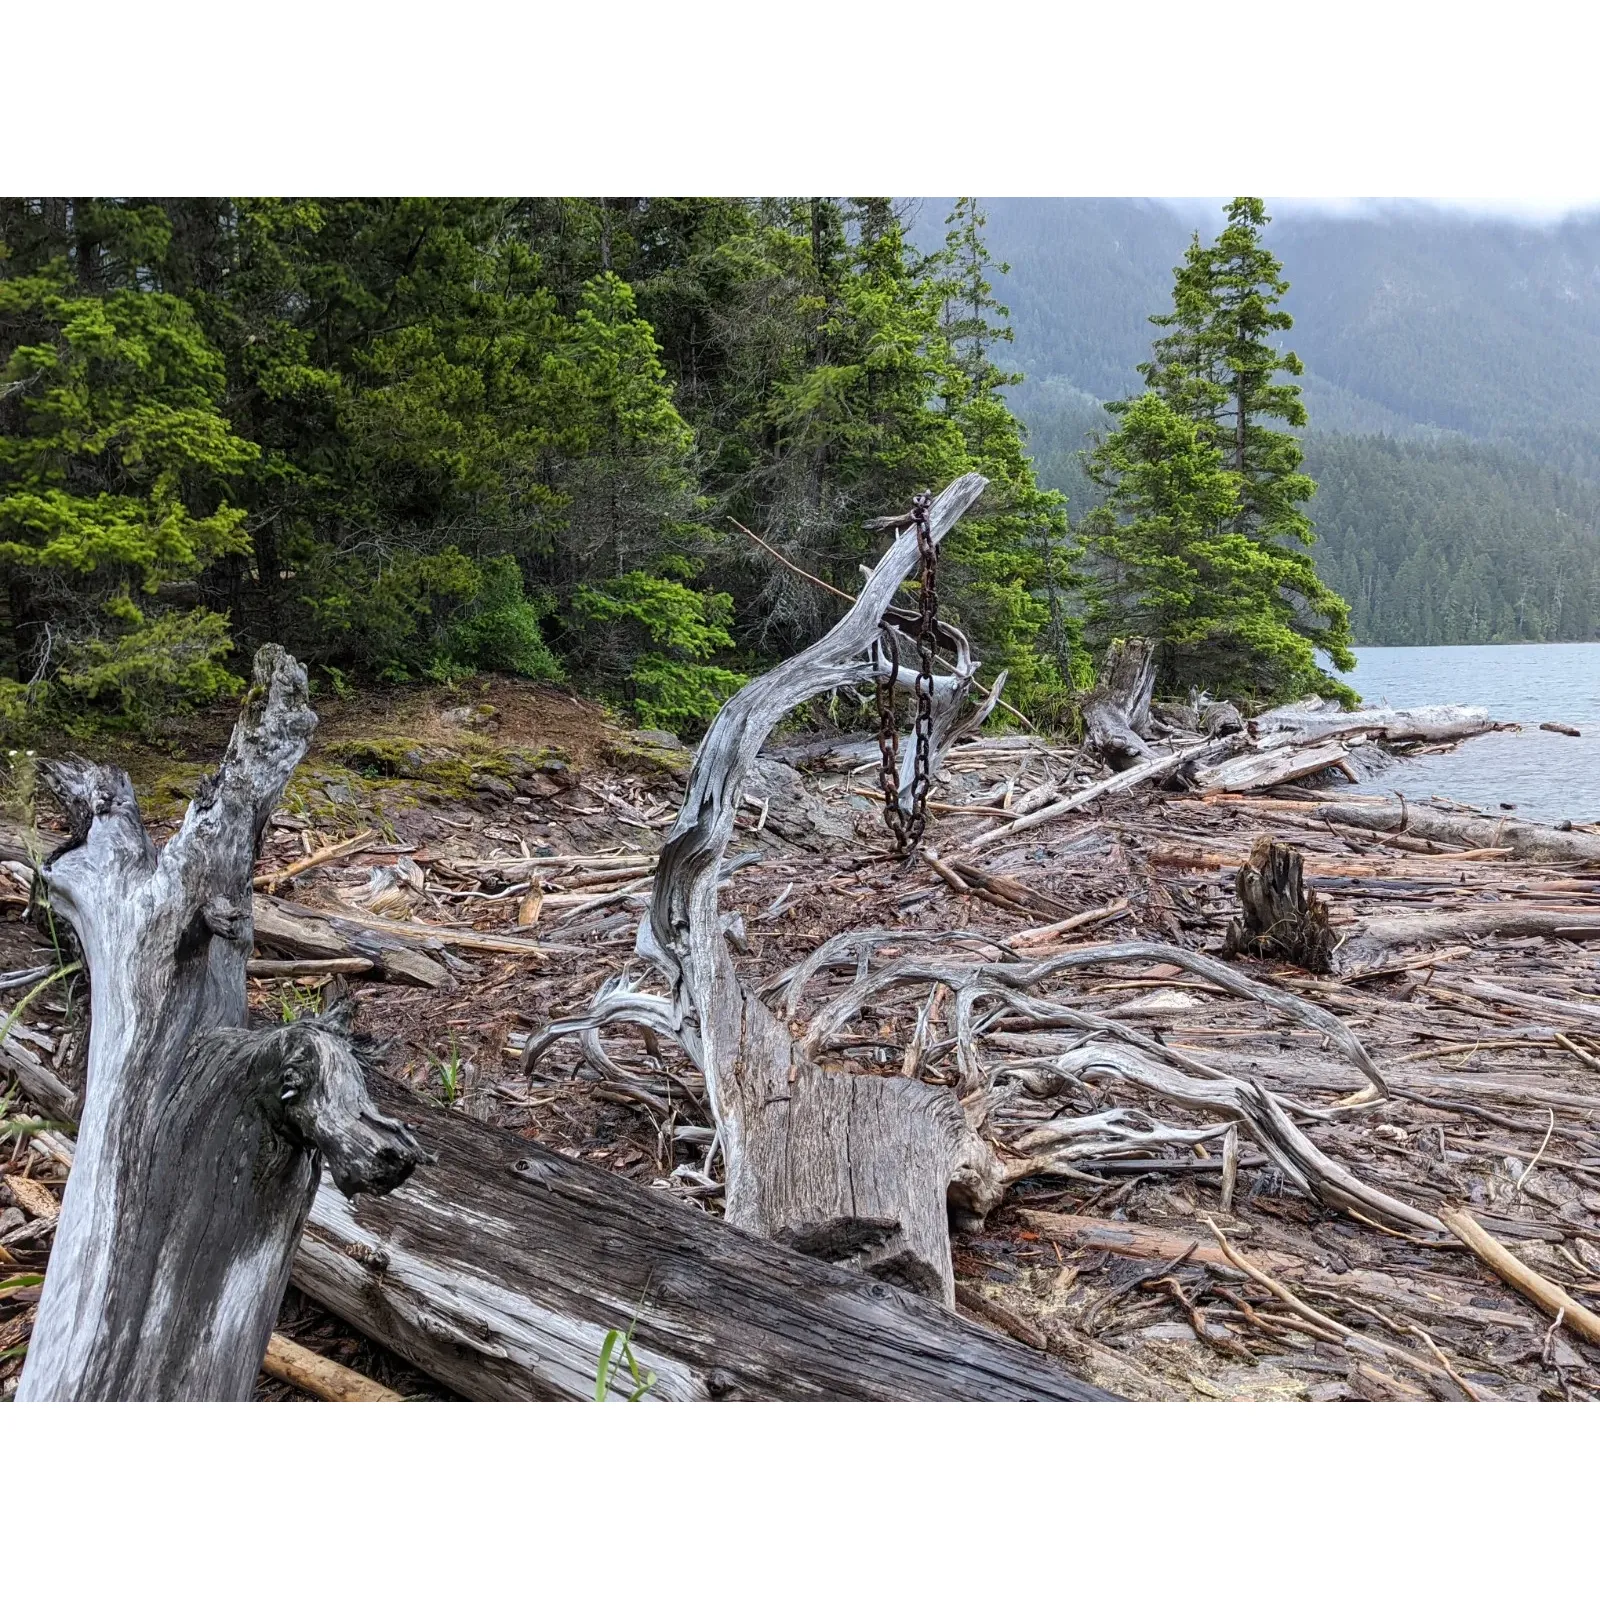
(420, 438)
(1458, 358)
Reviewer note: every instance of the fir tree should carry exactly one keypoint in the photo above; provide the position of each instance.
(1216, 367)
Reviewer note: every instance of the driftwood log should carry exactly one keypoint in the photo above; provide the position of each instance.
(1523, 841)
(849, 1167)
(499, 1270)
(1279, 916)
(200, 1143)
(1117, 710)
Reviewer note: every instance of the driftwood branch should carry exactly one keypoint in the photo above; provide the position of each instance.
(849, 1167)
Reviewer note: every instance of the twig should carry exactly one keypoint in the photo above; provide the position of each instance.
(270, 881)
(1577, 1050)
(1539, 1152)
(1347, 1336)
(1444, 1361)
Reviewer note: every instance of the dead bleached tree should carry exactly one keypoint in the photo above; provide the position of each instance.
(844, 1166)
(200, 1143)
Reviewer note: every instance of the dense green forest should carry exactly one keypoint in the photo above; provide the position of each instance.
(413, 439)
(417, 439)
(1455, 543)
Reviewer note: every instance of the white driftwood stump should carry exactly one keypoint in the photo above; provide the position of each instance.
(845, 1166)
(201, 1142)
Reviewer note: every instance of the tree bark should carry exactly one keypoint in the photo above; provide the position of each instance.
(852, 1168)
(1117, 710)
(499, 1270)
(200, 1142)
(1279, 915)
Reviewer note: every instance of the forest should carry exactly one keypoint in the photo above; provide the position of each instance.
(415, 439)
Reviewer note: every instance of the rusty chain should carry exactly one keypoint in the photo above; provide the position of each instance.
(908, 829)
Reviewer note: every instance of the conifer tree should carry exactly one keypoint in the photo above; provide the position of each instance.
(1216, 367)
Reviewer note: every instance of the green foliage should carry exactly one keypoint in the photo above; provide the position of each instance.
(1201, 542)
(139, 668)
(675, 684)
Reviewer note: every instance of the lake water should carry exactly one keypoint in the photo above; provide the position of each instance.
(1547, 776)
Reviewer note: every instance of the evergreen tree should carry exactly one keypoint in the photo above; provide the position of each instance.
(1216, 367)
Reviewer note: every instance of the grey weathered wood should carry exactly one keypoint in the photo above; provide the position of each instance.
(1117, 710)
(1526, 841)
(1417, 725)
(298, 932)
(1273, 764)
(856, 1168)
(499, 1269)
(200, 1142)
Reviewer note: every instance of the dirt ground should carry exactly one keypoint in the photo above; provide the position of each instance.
(488, 811)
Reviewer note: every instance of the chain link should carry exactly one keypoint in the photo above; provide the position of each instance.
(908, 829)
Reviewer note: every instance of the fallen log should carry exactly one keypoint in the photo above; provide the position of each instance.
(1421, 725)
(305, 935)
(201, 1142)
(850, 1167)
(1264, 769)
(500, 1269)
(1379, 937)
(1526, 841)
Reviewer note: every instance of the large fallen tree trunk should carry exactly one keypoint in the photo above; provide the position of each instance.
(1526, 841)
(500, 1269)
(1421, 725)
(200, 1143)
(846, 1166)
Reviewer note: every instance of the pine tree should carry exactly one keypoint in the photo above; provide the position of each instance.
(1216, 367)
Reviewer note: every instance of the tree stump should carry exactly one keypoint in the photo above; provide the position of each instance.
(1117, 709)
(201, 1142)
(1280, 916)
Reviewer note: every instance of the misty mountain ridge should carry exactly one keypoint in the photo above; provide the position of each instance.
(1452, 382)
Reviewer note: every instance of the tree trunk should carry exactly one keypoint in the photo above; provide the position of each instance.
(1117, 710)
(499, 1270)
(852, 1168)
(200, 1142)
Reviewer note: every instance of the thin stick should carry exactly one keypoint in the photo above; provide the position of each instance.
(1539, 1152)
(271, 880)
(293, 1364)
(1577, 1050)
(1444, 1361)
(1326, 1324)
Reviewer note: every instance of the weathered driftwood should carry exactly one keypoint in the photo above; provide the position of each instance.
(1420, 725)
(1527, 841)
(1279, 916)
(499, 1270)
(298, 933)
(200, 1143)
(1161, 766)
(1116, 711)
(1379, 937)
(1274, 763)
(849, 1167)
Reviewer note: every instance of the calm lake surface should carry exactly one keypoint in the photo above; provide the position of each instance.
(1547, 776)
